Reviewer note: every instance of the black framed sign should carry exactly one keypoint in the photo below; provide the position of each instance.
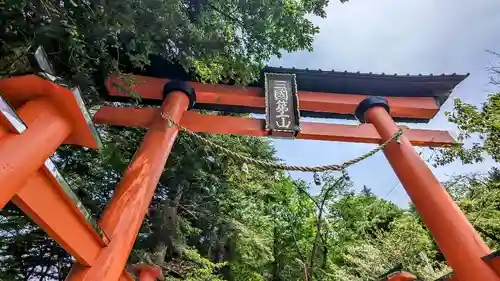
(282, 108)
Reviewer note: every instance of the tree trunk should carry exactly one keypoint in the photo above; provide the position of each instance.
(276, 265)
(319, 223)
(165, 231)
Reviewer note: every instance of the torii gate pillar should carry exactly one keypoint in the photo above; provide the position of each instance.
(123, 216)
(459, 242)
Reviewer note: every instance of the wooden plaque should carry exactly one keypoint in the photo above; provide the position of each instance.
(282, 111)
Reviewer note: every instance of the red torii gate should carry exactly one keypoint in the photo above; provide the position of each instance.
(43, 115)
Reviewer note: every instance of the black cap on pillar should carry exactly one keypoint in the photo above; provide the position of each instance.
(368, 103)
(180, 86)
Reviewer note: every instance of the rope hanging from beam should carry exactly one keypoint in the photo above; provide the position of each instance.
(277, 165)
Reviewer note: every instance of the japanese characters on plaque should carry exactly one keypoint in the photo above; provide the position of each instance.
(282, 113)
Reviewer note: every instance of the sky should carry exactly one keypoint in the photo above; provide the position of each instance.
(398, 36)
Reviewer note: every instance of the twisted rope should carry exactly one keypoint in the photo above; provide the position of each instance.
(271, 164)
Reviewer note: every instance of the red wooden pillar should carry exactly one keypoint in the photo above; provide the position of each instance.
(23, 154)
(124, 214)
(460, 243)
(147, 272)
(400, 276)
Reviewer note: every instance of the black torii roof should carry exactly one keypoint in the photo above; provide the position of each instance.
(393, 85)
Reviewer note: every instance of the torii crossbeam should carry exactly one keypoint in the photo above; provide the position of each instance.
(52, 115)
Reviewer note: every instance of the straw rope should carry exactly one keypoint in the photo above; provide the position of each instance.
(277, 165)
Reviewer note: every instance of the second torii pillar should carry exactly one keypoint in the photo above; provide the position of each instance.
(459, 242)
(123, 216)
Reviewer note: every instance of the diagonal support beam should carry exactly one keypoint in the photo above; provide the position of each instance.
(251, 99)
(51, 204)
(47, 204)
(216, 124)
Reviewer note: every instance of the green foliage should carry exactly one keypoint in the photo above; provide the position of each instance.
(218, 40)
(479, 129)
(204, 271)
(406, 246)
(363, 215)
(26, 251)
(479, 197)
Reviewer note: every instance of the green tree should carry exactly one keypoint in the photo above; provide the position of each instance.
(479, 132)
(26, 253)
(217, 40)
(478, 195)
(294, 232)
(406, 245)
(479, 128)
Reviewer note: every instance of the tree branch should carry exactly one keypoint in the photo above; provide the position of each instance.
(298, 248)
(220, 11)
(318, 225)
(487, 234)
